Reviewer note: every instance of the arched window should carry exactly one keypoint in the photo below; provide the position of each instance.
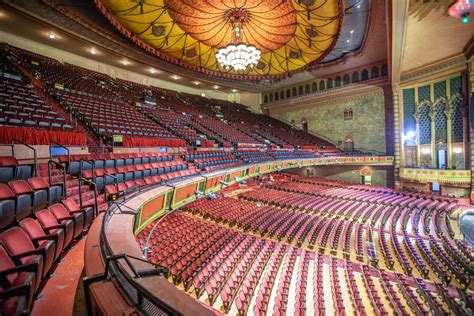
(384, 70)
(282, 94)
(374, 72)
(276, 96)
(346, 79)
(329, 86)
(288, 93)
(338, 81)
(300, 90)
(314, 87)
(307, 89)
(365, 75)
(355, 77)
(294, 91)
(265, 99)
(322, 85)
(271, 97)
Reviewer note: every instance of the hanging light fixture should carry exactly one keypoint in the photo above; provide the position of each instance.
(238, 55)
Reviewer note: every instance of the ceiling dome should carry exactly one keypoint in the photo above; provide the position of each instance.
(290, 34)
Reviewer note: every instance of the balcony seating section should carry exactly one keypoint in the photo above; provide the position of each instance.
(228, 132)
(252, 156)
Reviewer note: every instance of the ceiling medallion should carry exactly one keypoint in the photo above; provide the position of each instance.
(238, 55)
(158, 30)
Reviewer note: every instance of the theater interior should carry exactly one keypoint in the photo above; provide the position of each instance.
(236, 157)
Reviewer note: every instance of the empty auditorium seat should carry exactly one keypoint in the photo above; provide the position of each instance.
(33, 228)
(73, 207)
(61, 213)
(24, 198)
(51, 225)
(17, 286)
(54, 193)
(7, 206)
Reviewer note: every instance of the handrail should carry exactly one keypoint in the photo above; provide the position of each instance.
(141, 290)
(52, 142)
(28, 146)
(51, 161)
(81, 167)
(96, 205)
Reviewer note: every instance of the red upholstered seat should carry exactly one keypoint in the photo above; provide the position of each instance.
(19, 245)
(18, 285)
(61, 213)
(74, 208)
(33, 228)
(7, 206)
(50, 224)
(8, 161)
(24, 198)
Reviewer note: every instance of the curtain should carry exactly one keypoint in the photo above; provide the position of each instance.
(40, 137)
(152, 142)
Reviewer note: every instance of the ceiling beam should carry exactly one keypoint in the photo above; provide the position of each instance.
(399, 30)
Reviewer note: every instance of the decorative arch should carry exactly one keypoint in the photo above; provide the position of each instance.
(330, 83)
(271, 97)
(365, 172)
(346, 79)
(314, 87)
(349, 143)
(265, 98)
(282, 94)
(322, 85)
(276, 96)
(288, 93)
(338, 81)
(294, 94)
(374, 72)
(300, 90)
(365, 75)
(307, 89)
(355, 77)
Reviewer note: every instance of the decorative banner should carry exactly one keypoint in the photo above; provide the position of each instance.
(150, 210)
(435, 175)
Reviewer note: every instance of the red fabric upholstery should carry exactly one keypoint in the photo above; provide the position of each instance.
(61, 213)
(150, 142)
(34, 230)
(38, 183)
(20, 187)
(40, 137)
(6, 192)
(8, 161)
(49, 222)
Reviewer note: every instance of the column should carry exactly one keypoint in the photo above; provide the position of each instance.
(432, 114)
(398, 150)
(448, 111)
(416, 116)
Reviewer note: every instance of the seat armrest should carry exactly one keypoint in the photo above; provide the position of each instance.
(39, 251)
(29, 267)
(67, 218)
(23, 289)
(58, 226)
(45, 237)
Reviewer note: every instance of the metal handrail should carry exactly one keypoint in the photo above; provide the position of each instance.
(15, 140)
(52, 142)
(96, 205)
(64, 175)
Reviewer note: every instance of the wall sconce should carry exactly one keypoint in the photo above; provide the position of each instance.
(425, 151)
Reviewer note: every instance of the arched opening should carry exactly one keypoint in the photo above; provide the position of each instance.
(282, 94)
(374, 72)
(355, 77)
(265, 99)
(329, 86)
(322, 85)
(338, 81)
(314, 87)
(300, 90)
(276, 96)
(288, 93)
(365, 176)
(384, 70)
(365, 75)
(346, 80)
(294, 91)
(271, 97)
(307, 89)
(349, 143)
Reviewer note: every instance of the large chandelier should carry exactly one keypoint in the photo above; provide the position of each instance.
(238, 55)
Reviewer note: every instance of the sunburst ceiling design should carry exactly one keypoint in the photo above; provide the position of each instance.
(292, 35)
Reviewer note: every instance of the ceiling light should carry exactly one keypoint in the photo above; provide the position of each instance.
(237, 54)
(93, 51)
(51, 36)
(152, 70)
(216, 87)
(175, 77)
(347, 41)
(352, 31)
(358, 6)
(125, 62)
(234, 90)
(196, 82)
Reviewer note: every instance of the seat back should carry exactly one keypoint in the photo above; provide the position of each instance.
(16, 241)
(59, 210)
(6, 263)
(71, 205)
(32, 227)
(46, 218)
(7, 169)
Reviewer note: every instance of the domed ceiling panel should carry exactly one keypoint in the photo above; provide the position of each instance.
(291, 35)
